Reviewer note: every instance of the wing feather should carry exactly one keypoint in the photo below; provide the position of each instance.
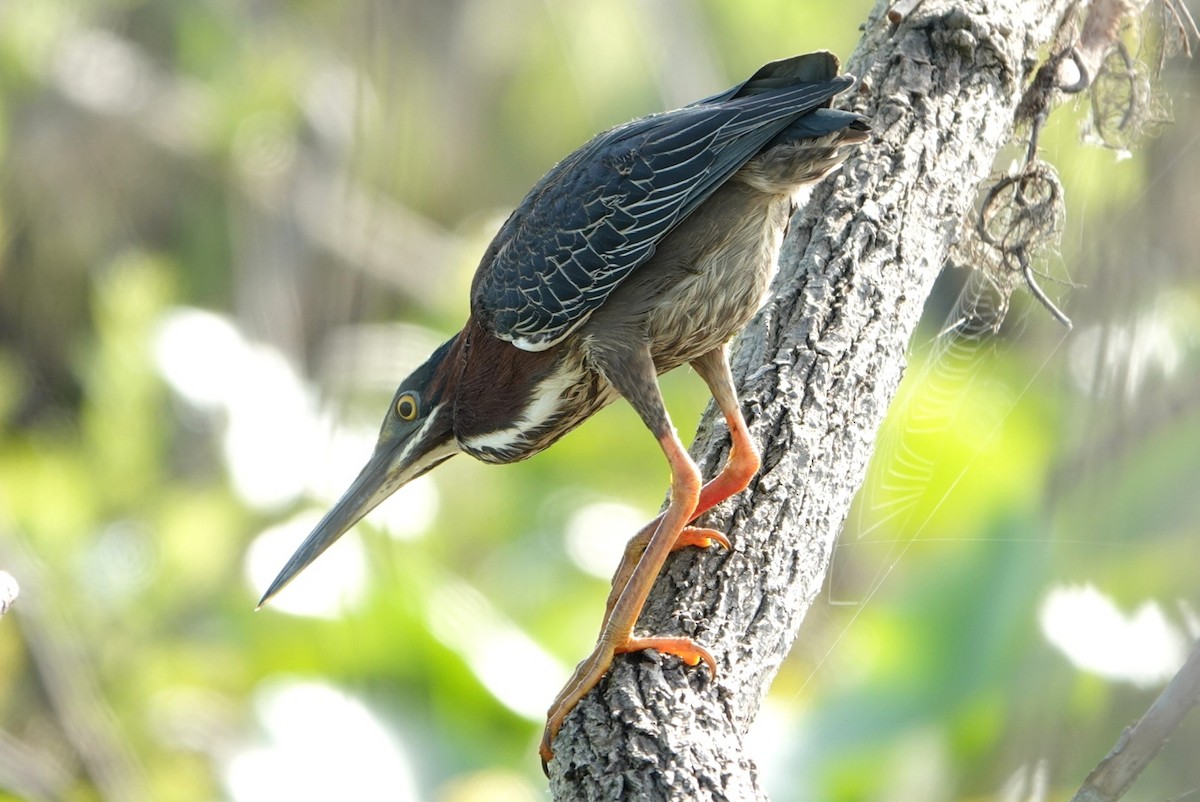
(602, 211)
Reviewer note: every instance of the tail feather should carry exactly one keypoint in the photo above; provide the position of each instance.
(820, 122)
(810, 68)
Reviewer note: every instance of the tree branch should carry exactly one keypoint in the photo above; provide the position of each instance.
(67, 676)
(1138, 744)
(816, 370)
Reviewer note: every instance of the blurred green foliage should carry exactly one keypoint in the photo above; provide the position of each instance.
(303, 169)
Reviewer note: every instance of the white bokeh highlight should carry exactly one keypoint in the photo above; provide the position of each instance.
(596, 535)
(279, 447)
(509, 663)
(1121, 358)
(1088, 628)
(328, 588)
(272, 430)
(319, 743)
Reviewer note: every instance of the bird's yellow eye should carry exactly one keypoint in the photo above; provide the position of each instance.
(406, 407)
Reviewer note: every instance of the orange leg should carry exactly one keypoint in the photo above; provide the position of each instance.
(648, 550)
(743, 460)
(740, 467)
(616, 636)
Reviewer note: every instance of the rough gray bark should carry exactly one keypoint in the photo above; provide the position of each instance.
(816, 370)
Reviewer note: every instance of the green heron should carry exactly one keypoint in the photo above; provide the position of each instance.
(647, 248)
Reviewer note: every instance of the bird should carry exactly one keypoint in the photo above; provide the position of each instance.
(646, 249)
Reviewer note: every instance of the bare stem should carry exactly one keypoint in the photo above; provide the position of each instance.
(1138, 744)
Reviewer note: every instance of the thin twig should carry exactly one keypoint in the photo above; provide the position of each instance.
(1138, 744)
(902, 10)
(1040, 294)
(58, 653)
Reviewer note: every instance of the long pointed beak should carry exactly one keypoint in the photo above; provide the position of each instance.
(364, 494)
(387, 471)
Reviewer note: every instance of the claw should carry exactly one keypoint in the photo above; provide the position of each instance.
(701, 538)
(687, 650)
(589, 672)
(643, 560)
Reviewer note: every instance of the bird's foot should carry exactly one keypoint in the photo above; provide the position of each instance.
(687, 650)
(701, 538)
(586, 675)
(690, 536)
(589, 673)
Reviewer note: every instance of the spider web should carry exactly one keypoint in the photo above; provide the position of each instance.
(936, 403)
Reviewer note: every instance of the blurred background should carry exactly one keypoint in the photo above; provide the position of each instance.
(227, 229)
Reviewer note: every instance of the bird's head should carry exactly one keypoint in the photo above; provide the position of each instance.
(416, 436)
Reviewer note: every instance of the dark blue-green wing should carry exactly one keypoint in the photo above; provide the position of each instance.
(601, 212)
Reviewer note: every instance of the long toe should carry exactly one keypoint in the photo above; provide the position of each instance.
(701, 538)
(687, 650)
(592, 670)
(586, 675)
